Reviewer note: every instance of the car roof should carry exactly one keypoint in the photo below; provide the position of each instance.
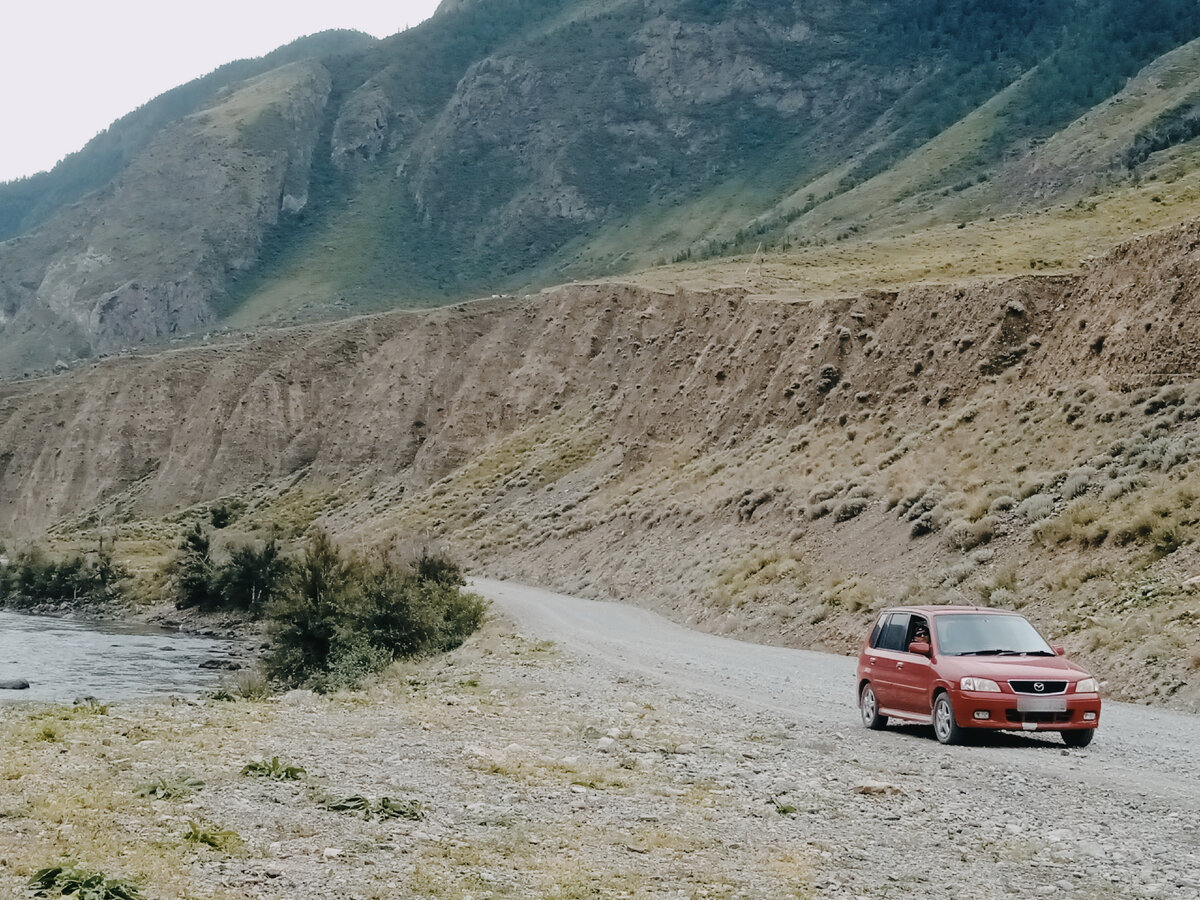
(938, 610)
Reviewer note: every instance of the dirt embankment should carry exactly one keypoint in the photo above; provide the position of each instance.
(675, 448)
(420, 392)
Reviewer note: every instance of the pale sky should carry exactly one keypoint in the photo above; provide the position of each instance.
(69, 68)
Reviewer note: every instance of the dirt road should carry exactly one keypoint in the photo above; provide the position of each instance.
(1015, 814)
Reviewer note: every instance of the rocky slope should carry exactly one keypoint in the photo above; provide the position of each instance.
(749, 465)
(143, 260)
(503, 144)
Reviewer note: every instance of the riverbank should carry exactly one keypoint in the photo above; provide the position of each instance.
(524, 777)
(158, 614)
(517, 768)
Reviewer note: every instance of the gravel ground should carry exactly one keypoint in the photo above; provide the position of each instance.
(1013, 814)
(597, 751)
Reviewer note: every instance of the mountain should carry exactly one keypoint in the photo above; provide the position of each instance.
(509, 144)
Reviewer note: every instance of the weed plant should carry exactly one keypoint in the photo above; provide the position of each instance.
(171, 787)
(81, 884)
(382, 808)
(210, 836)
(274, 769)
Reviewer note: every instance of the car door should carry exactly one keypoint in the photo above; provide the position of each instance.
(913, 677)
(884, 656)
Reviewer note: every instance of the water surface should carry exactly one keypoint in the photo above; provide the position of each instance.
(63, 659)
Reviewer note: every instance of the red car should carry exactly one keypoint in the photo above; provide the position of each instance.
(960, 667)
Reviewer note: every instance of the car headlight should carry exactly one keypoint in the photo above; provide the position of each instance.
(979, 684)
(1087, 686)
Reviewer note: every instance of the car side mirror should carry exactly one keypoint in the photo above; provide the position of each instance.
(1059, 650)
(919, 647)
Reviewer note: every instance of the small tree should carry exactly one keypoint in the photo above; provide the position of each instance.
(309, 615)
(194, 571)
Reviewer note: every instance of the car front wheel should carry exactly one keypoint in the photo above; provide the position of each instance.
(1078, 739)
(944, 727)
(869, 707)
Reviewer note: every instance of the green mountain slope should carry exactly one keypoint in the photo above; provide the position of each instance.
(505, 144)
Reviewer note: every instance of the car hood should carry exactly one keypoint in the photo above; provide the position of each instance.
(1002, 668)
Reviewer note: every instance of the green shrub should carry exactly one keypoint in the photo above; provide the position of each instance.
(339, 619)
(33, 578)
(248, 581)
(251, 578)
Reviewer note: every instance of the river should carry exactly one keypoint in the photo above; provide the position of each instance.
(63, 659)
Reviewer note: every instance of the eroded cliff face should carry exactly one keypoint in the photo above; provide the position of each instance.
(415, 395)
(145, 260)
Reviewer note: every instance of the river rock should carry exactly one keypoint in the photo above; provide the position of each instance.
(17, 684)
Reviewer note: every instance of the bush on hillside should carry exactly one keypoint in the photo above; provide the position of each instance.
(340, 619)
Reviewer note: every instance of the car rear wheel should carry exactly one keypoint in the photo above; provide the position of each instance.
(945, 729)
(868, 706)
(1078, 739)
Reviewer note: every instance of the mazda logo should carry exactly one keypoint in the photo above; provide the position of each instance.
(1038, 686)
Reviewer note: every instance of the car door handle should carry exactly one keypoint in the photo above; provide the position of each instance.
(900, 665)
(873, 660)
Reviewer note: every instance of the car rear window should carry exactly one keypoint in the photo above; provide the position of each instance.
(874, 642)
(979, 634)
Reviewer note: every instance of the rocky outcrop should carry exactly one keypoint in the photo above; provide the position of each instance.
(148, 257)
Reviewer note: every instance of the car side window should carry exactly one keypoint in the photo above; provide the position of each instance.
(894, 632)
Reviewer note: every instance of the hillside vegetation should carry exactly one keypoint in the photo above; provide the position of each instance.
(505, 144)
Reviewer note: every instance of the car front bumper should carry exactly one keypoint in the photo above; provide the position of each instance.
(1021, 712)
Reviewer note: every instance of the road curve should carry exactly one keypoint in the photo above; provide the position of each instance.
(1140, 778)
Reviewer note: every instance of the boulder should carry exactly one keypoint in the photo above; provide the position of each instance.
(16, 684)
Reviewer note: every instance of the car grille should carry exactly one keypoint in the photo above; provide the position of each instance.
(1045, 718)
(1031, 687)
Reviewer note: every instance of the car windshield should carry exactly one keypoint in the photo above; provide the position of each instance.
(979, 634)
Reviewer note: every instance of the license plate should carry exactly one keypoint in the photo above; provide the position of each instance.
(1042, 704)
